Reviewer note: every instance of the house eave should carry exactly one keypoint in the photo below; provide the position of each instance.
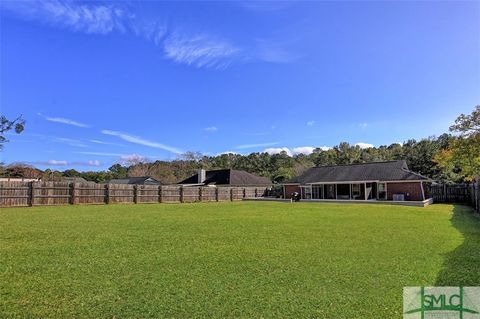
(361, 181)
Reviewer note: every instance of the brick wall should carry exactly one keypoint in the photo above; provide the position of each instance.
(289, 189)
(412, 191)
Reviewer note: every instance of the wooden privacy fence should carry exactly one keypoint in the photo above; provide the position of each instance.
(476, 197)
(63, 193)
(457, 193)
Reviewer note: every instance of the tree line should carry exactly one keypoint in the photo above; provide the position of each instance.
(451, 157)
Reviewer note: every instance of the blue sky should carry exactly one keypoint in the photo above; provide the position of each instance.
(100, 82)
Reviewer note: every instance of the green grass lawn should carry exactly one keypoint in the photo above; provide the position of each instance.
(244, 259)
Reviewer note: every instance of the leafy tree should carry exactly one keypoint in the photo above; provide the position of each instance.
(21, 170)
(6, 125)
(118, 171)
(347, 154)
(462, 158)
(419, 155)
(324, 158)
(467, 125)
(71, 173)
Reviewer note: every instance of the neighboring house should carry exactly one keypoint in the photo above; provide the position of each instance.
(75, 180)
(390, 180)
(225, 177)
(143, 180)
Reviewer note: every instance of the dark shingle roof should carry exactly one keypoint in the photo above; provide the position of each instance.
(382, 171)
(229, 177)
(142, 180)
(74, 179)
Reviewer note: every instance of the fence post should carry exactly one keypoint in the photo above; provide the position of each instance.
(72, 193)
(477, 195)
(231, 194)
(107, 194)
(256, 192)
(472, 194)
(216, 193)
(32, 193)
(160, 194)
(181, 194)
(135, 194)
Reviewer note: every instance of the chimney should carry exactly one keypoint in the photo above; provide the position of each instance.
(202, 175)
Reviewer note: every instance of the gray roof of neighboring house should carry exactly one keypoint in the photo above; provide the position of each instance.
(229, 177)
(381, 171)
(74, 179)
(142, 180)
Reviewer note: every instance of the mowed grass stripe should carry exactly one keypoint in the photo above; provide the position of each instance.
(244, 259)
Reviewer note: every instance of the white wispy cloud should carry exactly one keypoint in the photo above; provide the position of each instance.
(310, 123)
(153, 31)
(56, 139)
(94, 163)
(82, 17)
(133, 159)
(105, 143)
(100, 154)
(211, 129)
(57, 163)
(70, 141)
(53, 162)
(141, 141)
(245, 146)
(363, 125)
(363, 145)
(307, 150)
(63, 121)
(200, 50)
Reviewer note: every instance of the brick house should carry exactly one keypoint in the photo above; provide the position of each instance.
(391, 180)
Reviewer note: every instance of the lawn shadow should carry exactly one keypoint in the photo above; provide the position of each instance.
(462, 265)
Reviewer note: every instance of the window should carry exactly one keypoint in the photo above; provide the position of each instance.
(382, 190)
(308, 193)
(356, 190)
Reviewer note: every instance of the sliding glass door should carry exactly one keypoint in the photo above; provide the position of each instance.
(343, 191)
(317, 191)
(330, 191)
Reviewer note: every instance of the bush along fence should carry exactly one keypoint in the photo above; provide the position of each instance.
(456, 193)
(64, 193)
